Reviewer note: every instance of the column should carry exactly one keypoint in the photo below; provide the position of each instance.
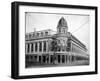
(49, 45)
(57, 59)
(34, 47)
(46, 46)
(64, 58)
(68, 57)
(42, 46)
(38, 46)
(71, 48)
(61, 59)
(26, 48)
(30, 48)
(49, 59)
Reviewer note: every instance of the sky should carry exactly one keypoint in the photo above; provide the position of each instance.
(78, 25)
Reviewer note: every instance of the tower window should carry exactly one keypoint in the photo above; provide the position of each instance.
(59, 30)
(64, 30)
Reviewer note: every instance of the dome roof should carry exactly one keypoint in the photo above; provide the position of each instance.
(62, 22)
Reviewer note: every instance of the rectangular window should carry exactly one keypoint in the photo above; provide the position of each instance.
(63, 58)
(32, 47)
(28, 48)
(35, 47)
(40, 46)
(58, 58)
(44, 46)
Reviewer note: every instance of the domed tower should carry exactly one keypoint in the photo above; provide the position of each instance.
(62, 27)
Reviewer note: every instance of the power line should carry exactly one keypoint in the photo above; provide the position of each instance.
(80, 26)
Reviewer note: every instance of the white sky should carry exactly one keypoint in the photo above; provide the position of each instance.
(78, 25)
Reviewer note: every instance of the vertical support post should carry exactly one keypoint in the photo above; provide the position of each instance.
(68, 57)
(49, 59)
(37, 46)
(30, 48)
(46, 46)
(26, 47)
(64, 59)
(60, 59)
